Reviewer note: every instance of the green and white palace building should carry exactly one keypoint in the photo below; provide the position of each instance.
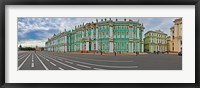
(106, 35)
(155, 41)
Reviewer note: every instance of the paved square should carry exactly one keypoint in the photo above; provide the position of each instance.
(65, 61)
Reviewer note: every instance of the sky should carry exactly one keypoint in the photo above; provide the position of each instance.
(36, 31)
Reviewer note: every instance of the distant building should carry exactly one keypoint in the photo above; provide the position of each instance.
(176, 36)
(39, 48)
(155, 41)
(106, 35)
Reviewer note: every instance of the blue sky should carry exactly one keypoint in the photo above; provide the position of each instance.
(36, 31)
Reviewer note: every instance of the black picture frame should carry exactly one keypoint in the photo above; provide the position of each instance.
(98, 2)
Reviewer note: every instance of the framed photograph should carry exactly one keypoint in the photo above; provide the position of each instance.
(100, 43)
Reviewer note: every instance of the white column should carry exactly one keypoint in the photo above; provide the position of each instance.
(130, 33)
(87, 33)
(138, 32)
(97, 45)
(111, 47)
(142, 47)
(97, 39)
(129, 46)
(111, 37)
(81, 46)
(82, 34)
(87, 45)
(111, 32)
(132, 47)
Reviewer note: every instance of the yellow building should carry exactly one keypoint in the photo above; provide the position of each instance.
(169, 43)
(176, 36)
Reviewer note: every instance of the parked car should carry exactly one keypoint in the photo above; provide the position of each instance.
(180, 53)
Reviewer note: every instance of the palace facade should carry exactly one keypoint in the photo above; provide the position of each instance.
(106, 35)
(155, 41)
(176, 36)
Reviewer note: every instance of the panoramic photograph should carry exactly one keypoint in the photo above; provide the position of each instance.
(99, 43)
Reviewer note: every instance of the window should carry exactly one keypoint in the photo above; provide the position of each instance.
(181, 42)
(122, 33)
(173, 37)
(118, 33)
(126, 33)
(173, 31)
(118, 27)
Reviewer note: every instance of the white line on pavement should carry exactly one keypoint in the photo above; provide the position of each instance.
(53, 64)
(99, 69)
(69, 62)
(42, 62)
(97, 60)
(60, 62)
(83, 66)
(32, 65)
(22, 57)
(98, 64)
(23, 62)
(47, 59)
(61, 68)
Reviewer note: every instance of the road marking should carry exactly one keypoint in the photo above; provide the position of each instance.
(61, 68)
(83, 66)
(53, 64)
(42, 62)
(98, 64)
(99, 69)
(23, 62)
(47, 59)
(23, 57)
(32, 65)
(96, 60)
(69, 62)
(61, 62)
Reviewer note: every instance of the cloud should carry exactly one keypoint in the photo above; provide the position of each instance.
(32, 43)
(40, 29)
